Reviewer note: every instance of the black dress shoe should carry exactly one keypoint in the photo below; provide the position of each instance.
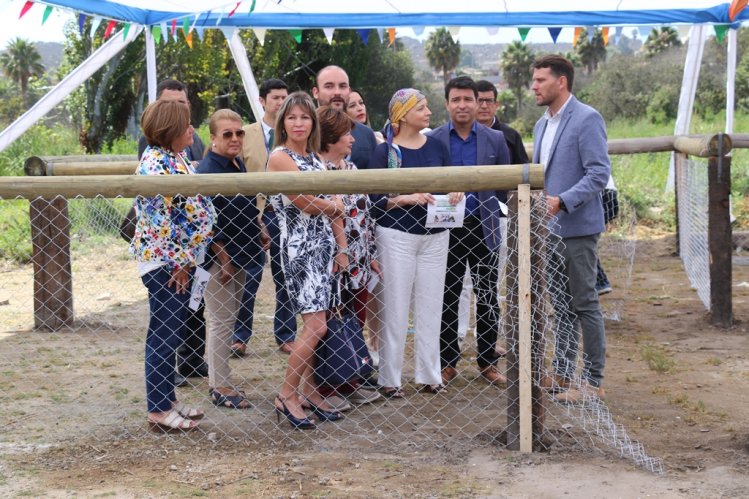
(180, 380)
(189, 371)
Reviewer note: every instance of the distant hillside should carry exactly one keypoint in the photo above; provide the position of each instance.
(51, 53)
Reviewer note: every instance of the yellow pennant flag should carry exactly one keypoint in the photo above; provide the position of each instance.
(605, 34)
(576, 36)
(391, 36)
(188, 39)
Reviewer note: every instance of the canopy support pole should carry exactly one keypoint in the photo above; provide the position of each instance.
(68, 84)
(239, 53)
(151, 75)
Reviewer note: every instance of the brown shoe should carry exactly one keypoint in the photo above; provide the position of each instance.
(554, 383)
(449, 374)
(286, 348)
(238, 349)
(493, 376)
(585, 393)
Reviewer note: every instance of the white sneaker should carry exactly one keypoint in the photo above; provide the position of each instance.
(363, 396)
(338, 403)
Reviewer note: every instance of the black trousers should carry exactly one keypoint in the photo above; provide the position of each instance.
(467, 247)
(190, 353)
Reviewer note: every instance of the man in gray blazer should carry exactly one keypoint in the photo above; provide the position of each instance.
(570, 140)
(477, 243)
(332, 89)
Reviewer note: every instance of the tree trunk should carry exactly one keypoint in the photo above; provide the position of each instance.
(92, 139)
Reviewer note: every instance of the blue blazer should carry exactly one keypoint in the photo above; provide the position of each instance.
(578, 168)
(491, 149)
(364, 145)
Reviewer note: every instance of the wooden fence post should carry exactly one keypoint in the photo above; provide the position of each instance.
(720, 244)
(53, 279)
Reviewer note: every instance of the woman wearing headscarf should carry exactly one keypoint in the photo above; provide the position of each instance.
(413, 257)
(171, 234)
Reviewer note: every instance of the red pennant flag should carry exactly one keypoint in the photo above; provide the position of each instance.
(110, 28)
(25, 8)
(234, 9)
(174, 26)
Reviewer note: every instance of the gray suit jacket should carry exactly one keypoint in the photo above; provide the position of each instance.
(491, 149)
(577, 169)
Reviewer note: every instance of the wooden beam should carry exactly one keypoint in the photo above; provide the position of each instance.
(95, 164)
(406, 180)
(704, 146)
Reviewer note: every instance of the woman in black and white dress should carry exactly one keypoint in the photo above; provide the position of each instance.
(313, 247)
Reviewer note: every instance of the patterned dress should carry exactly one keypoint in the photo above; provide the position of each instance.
(307, 247)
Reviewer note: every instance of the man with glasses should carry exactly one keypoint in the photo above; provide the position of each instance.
(487, 115)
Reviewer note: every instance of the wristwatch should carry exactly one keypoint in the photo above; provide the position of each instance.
(562, 206)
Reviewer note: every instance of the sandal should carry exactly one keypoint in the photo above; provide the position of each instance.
(434, 389)
(392, 393)
(173, 422)
(230, 401)
(187, 412)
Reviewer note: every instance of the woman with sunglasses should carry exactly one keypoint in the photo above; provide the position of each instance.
(313, 247)
(237, 245)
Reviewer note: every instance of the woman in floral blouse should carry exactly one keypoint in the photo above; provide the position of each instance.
(171, 235)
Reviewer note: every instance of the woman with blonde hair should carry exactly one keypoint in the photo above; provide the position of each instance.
(313, 247)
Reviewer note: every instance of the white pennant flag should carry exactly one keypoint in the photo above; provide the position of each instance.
(329, 34)
(197, 16)
(164, 32)
(492, 30)
(95, 25)
(260, 34)
(454, 32)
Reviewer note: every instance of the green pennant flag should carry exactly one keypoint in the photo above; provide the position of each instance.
(156, 32)
(125, 29)
(46, 14)
(252, 7)
(185, 25)
(523, 33)
(720, 32)
(297, 34)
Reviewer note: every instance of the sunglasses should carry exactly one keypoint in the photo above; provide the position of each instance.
(228, 134)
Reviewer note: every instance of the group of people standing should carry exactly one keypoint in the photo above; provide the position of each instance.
(396, 266)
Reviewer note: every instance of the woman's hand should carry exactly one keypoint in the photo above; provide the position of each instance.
(226, 273)
(338, 206)
(341, 262)
(264, 237)
(455, 197)
(180, 279)
(417, 199)
(376, 268)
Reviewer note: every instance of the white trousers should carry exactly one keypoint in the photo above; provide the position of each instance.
(411, 263)
(222, 303)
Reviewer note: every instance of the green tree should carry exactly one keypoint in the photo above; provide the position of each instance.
(661, 39)
(443, 53)
(591, 51)
(516, 63)
(20, 62)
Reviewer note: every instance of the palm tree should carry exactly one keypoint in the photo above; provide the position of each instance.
(591, 51)
(516, 63)
(443, 52)
(20, 62)
(661, 39)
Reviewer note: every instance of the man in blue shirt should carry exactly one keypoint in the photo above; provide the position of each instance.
(477, 243)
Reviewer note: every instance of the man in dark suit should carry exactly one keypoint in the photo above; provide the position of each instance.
(476, 244)
(190, 353)
(332, 89)
(570, 140)
(487, 116)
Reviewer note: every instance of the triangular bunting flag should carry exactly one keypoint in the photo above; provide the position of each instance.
(523, 33)
(197, 16)
(25, 8)
(643, 32)
(591, 30)
(228, 33)
(720, 32)
(252, 7)
(554, 32)
(418, 30)
(110, 28)
(47, 11)
(220, 16)
(164, 31)
(234, 9)
(95, 22)
(576, 36)
(199, 30)
(618, 34)
(185, 25)
(125, 30)
(260, 34)
(736, 7)
(391, 36)
(81, 23)
(454, 32)
(329, 34)
(683, 32)
(173, 30)
(188, 39)
(605, 34)
(297, 34)
(156, 32)
(492, 30)
(364, 35)
(380, 34)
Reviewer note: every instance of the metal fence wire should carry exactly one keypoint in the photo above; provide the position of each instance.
(89, 365)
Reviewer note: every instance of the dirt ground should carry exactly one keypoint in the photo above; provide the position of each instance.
(72, 417)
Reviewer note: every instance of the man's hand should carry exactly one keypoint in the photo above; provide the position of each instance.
(552, 205)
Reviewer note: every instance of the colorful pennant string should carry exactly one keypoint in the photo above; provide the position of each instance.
(25, 8)
(720, 32)
(110, 27)
(523, 33)
(47, 12)
(554, 32)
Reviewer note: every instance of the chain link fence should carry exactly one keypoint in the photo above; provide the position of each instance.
(81, 352)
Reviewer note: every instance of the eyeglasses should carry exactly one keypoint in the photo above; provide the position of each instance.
(228, 134)
(486, 101)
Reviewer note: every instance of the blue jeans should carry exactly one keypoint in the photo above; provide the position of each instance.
(166, 326)
(284, 320)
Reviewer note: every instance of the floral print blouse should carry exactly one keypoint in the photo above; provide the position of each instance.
(173, 230)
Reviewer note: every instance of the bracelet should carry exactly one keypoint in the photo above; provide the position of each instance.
(344, 251)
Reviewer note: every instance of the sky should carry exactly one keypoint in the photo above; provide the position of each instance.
(30, 26)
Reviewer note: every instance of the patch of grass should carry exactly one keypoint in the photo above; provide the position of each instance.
(15, 231)
(680, 400)
(657, 359)
(630, 379)
(713, 361)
